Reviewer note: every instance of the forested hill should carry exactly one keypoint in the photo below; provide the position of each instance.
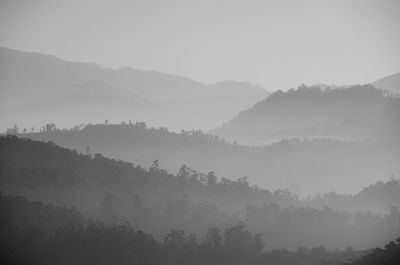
(58, 166)
(376, 197)
(36, 164)
(389, 255)
(352, 113)
(38, 233)
(154, 201)
(284, 164)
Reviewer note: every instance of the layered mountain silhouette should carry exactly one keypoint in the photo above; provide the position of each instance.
(360, 112)
(329, 164)
(153, 200)
(44, 88)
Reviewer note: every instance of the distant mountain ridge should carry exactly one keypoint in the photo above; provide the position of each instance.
(32, 83)
(353, 113)
(23, 72)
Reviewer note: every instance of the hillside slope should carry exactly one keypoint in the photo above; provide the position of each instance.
(390, 83)
(154, 201)
(353, 113)
(329, 164)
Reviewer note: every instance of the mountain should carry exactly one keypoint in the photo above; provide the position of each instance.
(29, 76)
(390, 83)
(33, 85)
(329, 164)
(360, 112)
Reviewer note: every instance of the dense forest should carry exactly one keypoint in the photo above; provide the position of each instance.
(37, 233)
(331, 165)
(155, 201)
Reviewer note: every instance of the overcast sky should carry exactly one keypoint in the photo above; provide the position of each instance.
(277, 44)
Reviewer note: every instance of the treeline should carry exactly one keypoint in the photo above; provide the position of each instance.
(286, 164)
(291, 227)
(114, 191)
(35, 233)
(38, 163)
(52, 128)
(389, 255)
(155, 201)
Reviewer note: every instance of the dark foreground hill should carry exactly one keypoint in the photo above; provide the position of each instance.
(331, 165)
(155, 201)
(37, 233)
(389, 255)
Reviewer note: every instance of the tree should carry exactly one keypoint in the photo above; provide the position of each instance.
(213, 238)
(237, 239)
(155, 168)
(211, 179)
(88, 151)
(175, 239)
(183, 174)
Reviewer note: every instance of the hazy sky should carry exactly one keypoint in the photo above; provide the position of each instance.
(278, 44)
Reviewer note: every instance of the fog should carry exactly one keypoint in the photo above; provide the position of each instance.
(331, 165)
(38, 89)
(192, 133)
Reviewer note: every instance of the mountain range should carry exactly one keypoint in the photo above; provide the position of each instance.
(44, 88)
(327, 163)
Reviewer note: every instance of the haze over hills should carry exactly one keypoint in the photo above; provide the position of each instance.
(156, 201)
(375, 198)
(330, 165)
(48, 235)
(70, 93)
(360, 112)
(207, 132)
(42, 88)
